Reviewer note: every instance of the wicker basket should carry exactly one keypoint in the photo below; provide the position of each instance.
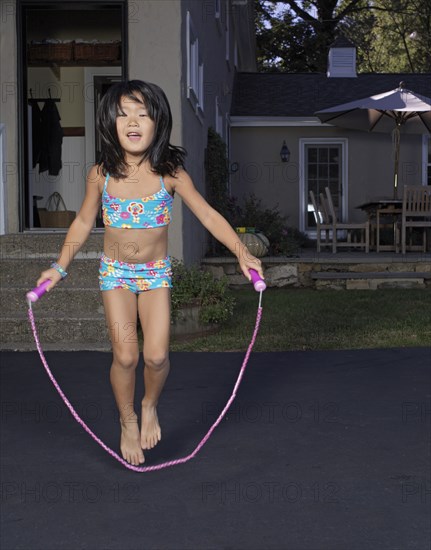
(50, 52)
(97, 51)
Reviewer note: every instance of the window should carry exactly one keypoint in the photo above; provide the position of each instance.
(195, 68)
(323, 164)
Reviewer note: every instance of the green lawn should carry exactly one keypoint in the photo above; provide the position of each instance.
(302, 319)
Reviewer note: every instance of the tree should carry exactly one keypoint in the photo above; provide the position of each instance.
(390, 35)
(283, 43)
(294, 39)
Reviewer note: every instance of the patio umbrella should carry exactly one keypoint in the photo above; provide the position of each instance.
(394, 111)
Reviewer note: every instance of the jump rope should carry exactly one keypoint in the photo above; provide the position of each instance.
(38, 292)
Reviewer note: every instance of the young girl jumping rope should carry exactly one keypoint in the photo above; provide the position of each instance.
(135, 180)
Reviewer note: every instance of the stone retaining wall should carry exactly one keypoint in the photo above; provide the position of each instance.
(297, 272)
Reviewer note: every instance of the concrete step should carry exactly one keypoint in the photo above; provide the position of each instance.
(73, 301)
(30, 245)
(17, 273)
(58, 329)
(57, 346)
(71, 316)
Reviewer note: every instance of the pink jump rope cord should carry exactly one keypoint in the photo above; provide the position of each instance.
(33, 295)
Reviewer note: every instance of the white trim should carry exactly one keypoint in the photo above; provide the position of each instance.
(424, 163)
(269, 121)
(90, 123)
(303, 200)
(201, 86)
(3, 181)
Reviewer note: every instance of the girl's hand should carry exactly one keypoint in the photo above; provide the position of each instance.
(248, 261)
(52, 274)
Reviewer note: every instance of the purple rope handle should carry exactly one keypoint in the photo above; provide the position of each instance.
(109, 450)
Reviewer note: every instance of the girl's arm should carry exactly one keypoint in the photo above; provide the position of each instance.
(80, 228)
(216, 224)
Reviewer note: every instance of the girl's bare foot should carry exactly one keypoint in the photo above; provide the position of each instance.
(150, 427)
(130, 443)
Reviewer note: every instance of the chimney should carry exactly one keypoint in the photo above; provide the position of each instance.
(342, 59)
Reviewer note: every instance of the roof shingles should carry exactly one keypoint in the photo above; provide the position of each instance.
(302, 94)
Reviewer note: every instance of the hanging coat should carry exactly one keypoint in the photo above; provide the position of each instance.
(51, 139)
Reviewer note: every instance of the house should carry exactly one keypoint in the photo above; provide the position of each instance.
(72, 51)
(269, 109)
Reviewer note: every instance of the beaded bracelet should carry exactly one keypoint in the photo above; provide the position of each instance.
(59, 269)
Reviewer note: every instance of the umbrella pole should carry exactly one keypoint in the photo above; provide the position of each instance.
(396, 149)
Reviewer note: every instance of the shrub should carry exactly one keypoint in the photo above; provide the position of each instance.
(194, 286)
(283, 239)
(216, 168)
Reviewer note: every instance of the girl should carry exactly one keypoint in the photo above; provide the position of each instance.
(135, 180)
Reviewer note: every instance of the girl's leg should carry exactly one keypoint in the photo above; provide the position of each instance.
(121, 316)
(154, 308)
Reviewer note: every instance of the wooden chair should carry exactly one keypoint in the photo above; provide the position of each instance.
(322, 223)
(416, 213)
(362, 228)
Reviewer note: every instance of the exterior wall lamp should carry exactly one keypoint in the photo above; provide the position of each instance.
(285, 153)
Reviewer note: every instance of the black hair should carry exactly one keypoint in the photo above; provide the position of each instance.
(163, 157)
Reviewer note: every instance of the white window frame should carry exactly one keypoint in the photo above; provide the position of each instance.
(303, 200)
(426, 164)
(195, 69)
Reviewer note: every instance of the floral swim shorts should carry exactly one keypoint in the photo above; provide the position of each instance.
(135, 277)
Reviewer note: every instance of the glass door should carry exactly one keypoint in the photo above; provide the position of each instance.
(323, 168)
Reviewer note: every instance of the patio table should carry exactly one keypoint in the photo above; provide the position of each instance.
(381, 213)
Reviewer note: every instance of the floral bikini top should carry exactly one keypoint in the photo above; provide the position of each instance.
(142, 213)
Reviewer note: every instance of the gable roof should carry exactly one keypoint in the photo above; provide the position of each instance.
(302, 94)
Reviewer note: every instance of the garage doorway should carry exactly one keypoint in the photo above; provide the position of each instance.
(70, 52)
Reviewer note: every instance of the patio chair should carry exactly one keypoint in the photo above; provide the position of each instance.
(322, 223)
(351, 229)
(416, 214)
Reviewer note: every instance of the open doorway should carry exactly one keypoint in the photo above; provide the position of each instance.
(71, 52)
